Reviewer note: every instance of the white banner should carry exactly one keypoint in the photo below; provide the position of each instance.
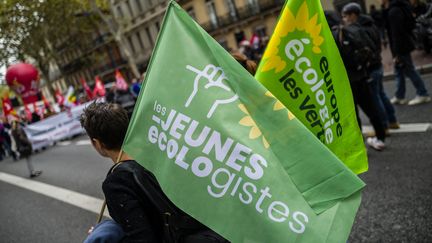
(55, 128)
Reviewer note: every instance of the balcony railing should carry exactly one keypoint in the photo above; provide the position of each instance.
(242, 13)
(109, 66)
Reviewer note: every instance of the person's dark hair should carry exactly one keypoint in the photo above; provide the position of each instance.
(352, 8)
(248, 64)
(106, 122)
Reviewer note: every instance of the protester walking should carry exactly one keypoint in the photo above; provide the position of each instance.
(3, 152)
(377, 16)
(140, 210)
(10, 140)
(376, 71)
(24, 147)
(400, 23)
(355, 49)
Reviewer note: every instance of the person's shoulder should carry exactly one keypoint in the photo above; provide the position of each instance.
(129, 165)
(395, 11)
(352, 31)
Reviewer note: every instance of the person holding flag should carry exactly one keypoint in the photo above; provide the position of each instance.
(7, 106)
(224, 150)
(356, 48)
(87, 89)
(24, 147)
(120, 81)
(36, 114)
(128, 203)
(99, 89)
(59, 98)
(71, 99)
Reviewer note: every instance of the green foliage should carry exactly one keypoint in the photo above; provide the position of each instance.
(43, 29)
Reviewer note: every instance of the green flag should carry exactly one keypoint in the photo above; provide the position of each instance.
(225, 151)
(303, 69)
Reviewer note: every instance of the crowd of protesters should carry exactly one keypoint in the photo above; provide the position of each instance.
(14, 142)
(360, 38)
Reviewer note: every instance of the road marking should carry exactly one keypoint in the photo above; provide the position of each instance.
(64, 143)
(404, 128)
(83, 142)
(77, 199)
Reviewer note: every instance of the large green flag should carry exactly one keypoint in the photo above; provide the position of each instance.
(303, 69)
(225, 151)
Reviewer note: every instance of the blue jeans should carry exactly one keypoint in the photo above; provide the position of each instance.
(386, 109)
(406, 67)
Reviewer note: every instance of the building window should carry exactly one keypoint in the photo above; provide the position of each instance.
(232, 9)
(149, 36)
(139, 6)
(132, 47)
(253, 6)
(157, 25)
(119, 11)
(338, 4)
(130, 8)
(140, 41)
(239, 36)
(212, 12)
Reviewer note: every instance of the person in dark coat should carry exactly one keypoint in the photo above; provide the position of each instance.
(354, 46)
(377, 16)
(376, 70)
(400, 23)
(106, 124)
(418, 7)
(332, 18)
(24, 147)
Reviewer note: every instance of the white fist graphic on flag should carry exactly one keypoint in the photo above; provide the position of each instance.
(214, 76)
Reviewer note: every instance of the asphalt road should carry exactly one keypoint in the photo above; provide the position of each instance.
(30, 217)
(397, 201)
(396, 205)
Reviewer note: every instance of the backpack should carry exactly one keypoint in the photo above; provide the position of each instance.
(178, 226)
(355, 47)
(374, 41)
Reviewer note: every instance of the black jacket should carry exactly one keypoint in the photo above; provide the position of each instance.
(351, 41)
(129, 207)
(127, 191)
(23, 144)
(400, 23)
(369, 26)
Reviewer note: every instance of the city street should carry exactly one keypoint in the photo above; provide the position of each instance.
(396, 205)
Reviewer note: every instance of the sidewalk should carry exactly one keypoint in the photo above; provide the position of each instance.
(422, 61)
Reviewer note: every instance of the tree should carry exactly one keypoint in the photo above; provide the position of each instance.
(116, 27)
(33, 30)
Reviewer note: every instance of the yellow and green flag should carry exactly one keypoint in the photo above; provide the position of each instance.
(303, 69)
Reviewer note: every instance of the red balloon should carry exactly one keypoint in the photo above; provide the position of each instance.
(23, 78)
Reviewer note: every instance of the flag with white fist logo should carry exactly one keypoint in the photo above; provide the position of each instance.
(226, 152)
